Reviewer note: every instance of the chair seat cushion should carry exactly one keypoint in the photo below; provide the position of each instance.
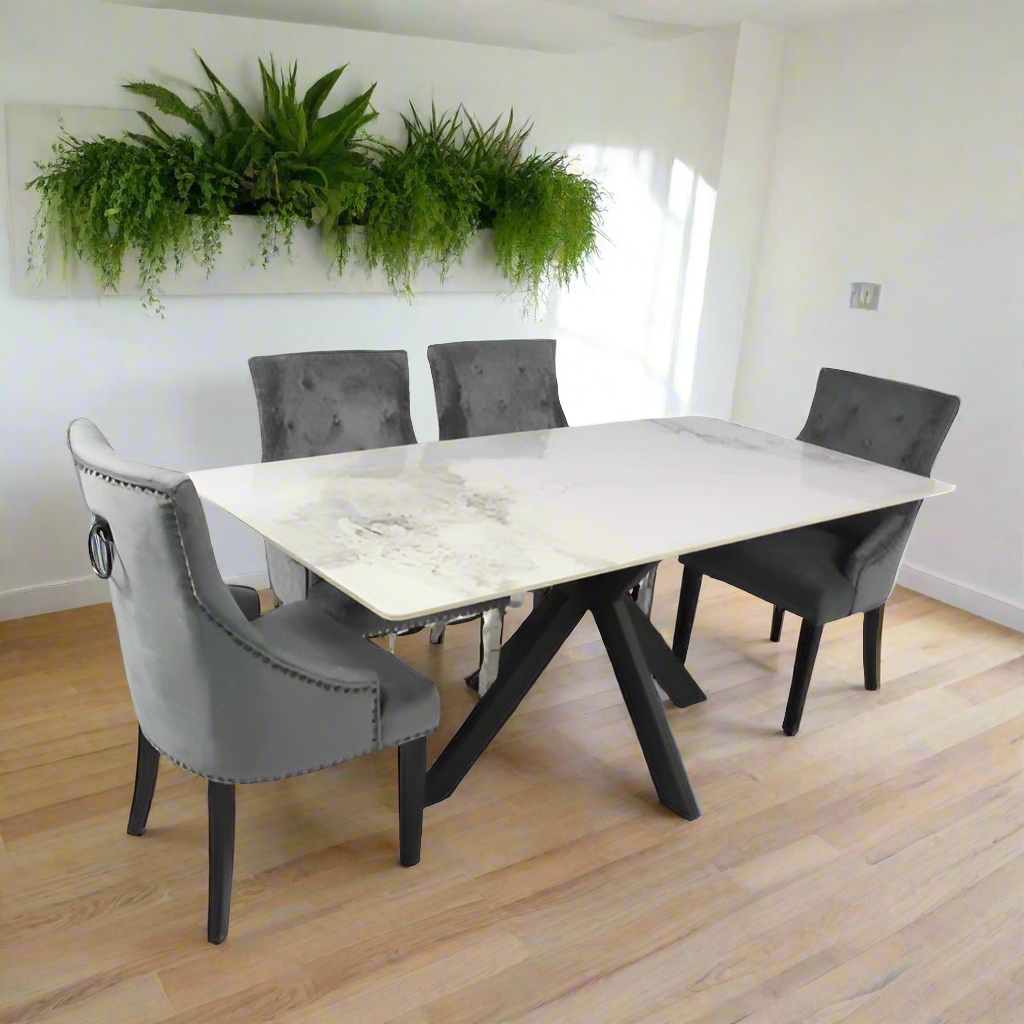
(356, 616)
(409, 703)
(799, 570)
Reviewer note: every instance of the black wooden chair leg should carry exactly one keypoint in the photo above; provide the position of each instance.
(873, 648)
(412, 780)
(220, 799)
(778, 614)
(806, 652)
(689, 592)
(147, 763)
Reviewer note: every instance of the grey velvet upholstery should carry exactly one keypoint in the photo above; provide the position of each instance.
(884, 421)
(495, 387)
(835, 569)
(405, 703)
(289, 580)
(800, 570)
(368, 623)
(230, 699)
(323, 403)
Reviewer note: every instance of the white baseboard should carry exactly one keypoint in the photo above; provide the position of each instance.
(978, 602)
(53, 597)
(257, 579)
(56, 597)
(76, 593)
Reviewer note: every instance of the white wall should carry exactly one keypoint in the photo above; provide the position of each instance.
(176, 392)
(743, 185)
(899, 158)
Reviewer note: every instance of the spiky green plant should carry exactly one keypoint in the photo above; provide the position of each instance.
(490, 153)
(423, 201)
(293, 164)
(546, 218)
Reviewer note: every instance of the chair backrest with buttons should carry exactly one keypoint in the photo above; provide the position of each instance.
(495, 387)
(209, 692)
(322, 403)
(893, 424)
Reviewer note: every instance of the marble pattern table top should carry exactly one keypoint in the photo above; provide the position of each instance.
(424, 528)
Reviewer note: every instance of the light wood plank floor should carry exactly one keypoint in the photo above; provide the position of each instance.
(868, 870)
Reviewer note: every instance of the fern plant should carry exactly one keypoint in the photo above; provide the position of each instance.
(104, 197)
(546, 218)
(423, 201)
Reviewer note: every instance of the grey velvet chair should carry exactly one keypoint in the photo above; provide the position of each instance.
(323, 403)
(494, 387)
(223, 692)
(847, 566)
(502, 387)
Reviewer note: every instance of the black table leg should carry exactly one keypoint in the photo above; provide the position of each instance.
(669, 671)
(626, 653)
(536, 642)
(523, 659)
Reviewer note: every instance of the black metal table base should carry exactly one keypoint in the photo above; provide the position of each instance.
(637, 652)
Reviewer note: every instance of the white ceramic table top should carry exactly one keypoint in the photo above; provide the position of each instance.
(420, 529)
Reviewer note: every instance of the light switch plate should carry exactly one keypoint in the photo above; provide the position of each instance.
(864, 295)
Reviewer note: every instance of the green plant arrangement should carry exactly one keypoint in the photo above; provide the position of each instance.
(545, 217)
(424, 201)
(169, 196)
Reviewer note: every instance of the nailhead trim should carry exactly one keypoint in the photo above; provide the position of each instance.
(267, 778)
(247, 647)
(414, 736)
(288, 775)
(239, 641)
(120, 483)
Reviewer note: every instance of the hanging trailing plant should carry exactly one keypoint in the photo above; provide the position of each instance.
(169, 196)
(103, 197)
(546, 218)
(423, 201)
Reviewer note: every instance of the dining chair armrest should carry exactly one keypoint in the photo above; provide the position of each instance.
(278, 702)
(872, 565)
(407, 702)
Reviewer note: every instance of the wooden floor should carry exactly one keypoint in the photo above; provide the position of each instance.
(868, 870)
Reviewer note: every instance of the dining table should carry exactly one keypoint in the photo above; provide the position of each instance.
(580, 513)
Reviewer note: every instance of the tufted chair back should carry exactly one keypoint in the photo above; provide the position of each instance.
(210, 692)
(322, 403)
(891, 423)
(495, 387)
